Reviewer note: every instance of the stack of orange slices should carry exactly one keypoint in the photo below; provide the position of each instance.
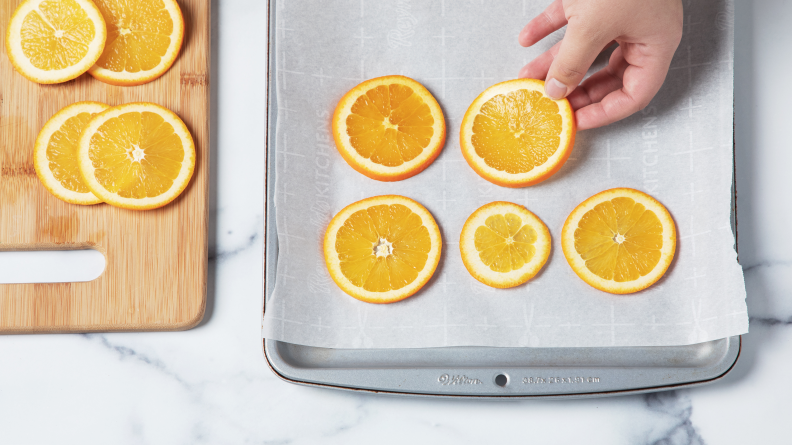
(136, 156)
(119, 42)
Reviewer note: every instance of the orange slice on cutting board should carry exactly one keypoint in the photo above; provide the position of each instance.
(619, 241)
(389, 128)
(143, 40)
(55, 153)
(382, 249)
(504, 245)
(136, 156)
(513, 135)
(53, 41)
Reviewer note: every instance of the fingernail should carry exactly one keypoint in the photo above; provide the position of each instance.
(555, 89)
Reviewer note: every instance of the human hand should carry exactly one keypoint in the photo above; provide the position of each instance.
(647, 31)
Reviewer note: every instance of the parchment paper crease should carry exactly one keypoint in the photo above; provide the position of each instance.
(678, 149)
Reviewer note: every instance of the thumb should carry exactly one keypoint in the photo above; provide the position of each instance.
(577, 52)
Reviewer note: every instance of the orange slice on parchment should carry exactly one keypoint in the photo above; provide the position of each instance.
(382, 249)
(389, 128)
(514, 135)
(619, 241)
(504, 245)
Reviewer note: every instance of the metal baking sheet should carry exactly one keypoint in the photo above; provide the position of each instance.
(499, 373)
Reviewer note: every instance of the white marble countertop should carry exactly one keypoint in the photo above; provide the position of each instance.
(211, 384)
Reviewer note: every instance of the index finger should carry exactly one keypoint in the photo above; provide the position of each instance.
(542, 25)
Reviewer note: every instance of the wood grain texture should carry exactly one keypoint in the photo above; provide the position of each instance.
(155, 277)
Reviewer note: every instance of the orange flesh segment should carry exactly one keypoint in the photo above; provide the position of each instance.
(383, 248)
(390, 125)
(504, 243)
(56, 35)
(138, 34)
(619, 240)
(517, 131)
(62, 153)
(136, 155)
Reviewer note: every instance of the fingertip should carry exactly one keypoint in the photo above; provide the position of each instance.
(524, 39)
(582, 122)
(551, 19)
(591, 116)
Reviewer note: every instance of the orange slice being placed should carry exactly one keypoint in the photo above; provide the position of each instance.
(504, 245)
(143, 39)
(382, 249)
(136, 156)
(619, 241)
(389, 128)
(514, 135)
(52, 41)
(55, 153)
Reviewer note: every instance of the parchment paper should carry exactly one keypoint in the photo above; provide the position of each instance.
(678, 149)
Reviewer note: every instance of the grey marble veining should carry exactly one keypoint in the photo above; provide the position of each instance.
(210, 385)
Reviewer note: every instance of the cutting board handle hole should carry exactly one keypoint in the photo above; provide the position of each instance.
(51, 266)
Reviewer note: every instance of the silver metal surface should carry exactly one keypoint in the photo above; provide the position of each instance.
(498, 373)
(529, 372)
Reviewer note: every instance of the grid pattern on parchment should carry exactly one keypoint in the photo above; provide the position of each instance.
(678, 149)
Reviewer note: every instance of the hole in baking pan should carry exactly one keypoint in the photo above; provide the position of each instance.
(50, 266)
(501, 380)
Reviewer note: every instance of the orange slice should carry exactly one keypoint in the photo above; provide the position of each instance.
(389, 128)
(143, 39)
(382, 249)
(55, 153)
(136, 156)
(52, 41)
(514, 135)
(619, 241)
(503, 244)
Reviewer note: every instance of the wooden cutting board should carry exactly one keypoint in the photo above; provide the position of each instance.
(155, 278)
